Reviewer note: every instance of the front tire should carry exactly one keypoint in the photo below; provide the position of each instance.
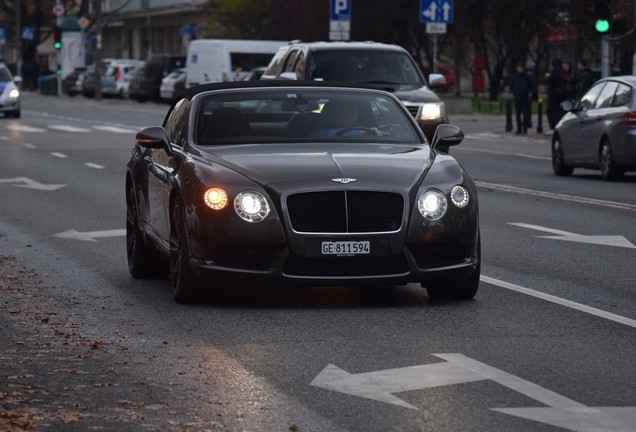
(185, 282)
(464, 290)
(609, 170)
(558, 162)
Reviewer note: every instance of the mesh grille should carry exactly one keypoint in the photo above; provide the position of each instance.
(345, 211)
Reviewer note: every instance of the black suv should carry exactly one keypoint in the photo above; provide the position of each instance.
(145, 83)
(364, 62)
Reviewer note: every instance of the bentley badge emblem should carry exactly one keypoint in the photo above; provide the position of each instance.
(343, 180)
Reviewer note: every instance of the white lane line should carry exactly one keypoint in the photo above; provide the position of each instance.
(29, 146)
(68, 128)
(59, 155)
(115, 129)
(93, 165)
(24, 128)
(5, 138)
(507, 153)
(563, 302)
(559, 196)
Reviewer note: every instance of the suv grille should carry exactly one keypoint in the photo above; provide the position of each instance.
(346, 266)
(413, 109)
(345, 211)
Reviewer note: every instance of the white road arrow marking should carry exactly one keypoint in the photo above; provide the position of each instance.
(617, 241)
(380, 385)
(31, 184)
(91, 235)
(561, 411)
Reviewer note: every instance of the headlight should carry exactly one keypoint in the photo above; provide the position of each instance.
(432, 111)
(215, 198)
(251, 206)
(432, 204)
(459, 196)
(14, 93)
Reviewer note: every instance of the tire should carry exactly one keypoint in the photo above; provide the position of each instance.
(609, 170)
(558, 163)
(464, 290)
(185, 283)
(142, 261)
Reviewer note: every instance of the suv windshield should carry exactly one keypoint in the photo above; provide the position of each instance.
(364, 66)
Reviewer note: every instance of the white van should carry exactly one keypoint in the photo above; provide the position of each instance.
(216, 60)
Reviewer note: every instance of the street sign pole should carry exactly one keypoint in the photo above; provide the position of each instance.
(436, 14)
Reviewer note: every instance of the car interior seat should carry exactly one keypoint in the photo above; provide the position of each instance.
(224, 123)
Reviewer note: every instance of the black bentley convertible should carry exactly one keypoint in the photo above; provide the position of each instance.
(299, 183)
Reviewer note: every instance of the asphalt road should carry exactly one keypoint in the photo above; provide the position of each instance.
(547, 344)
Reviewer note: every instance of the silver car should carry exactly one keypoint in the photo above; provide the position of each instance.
(598, 131)
(9, 93)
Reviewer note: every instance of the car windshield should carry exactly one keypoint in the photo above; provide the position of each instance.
(364, 66)
(5, 76)
(302, 115)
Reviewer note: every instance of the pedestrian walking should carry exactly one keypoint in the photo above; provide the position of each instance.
(556, 92)
(586, 78)
(521, 89)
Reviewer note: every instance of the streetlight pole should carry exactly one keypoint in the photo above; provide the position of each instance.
(18, 39)
(97, 58)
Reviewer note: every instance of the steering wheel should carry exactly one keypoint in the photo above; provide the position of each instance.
(366, 130)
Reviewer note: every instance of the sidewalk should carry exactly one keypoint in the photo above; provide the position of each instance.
(496, 124)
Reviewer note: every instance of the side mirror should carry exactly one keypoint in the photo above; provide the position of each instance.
(17, 80)
(288, 76)
(567, 105)
(436, 80)
(447, 135)
(154, 137)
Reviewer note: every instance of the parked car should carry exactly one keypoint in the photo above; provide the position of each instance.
(88, 80)
(255, 74)
(128, 77)
(598, 131)
(173, 85)
(113, 77)
(237, 185)
(70, 82)
(365, 62)
(145, 85)
(10, 97)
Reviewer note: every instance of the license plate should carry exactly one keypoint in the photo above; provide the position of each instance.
(346, 247)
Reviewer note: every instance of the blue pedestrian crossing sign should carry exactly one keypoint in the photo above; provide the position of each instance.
(28, 33)
(436, 11)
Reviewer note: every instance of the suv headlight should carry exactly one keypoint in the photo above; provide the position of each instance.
(432, 111)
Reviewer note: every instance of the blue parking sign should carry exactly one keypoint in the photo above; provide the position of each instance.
(436, 11)
(340, 10)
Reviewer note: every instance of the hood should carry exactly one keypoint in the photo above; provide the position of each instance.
(300, 166)
(417, 95)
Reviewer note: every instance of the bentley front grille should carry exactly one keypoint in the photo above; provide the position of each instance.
(345, 211)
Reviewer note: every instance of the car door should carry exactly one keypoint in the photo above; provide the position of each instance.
(161, 170)
(594, 127)
(573, 135)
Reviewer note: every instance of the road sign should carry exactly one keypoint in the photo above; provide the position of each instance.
(339, 19)
(58, 10)
(28, 33)
(436, 11)
(436, 28)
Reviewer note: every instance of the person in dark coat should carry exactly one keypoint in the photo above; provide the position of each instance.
(556, 92)
(586, 78)
(521, 88)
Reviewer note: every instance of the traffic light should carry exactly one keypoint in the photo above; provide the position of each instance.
(57, 38)
(602, 15)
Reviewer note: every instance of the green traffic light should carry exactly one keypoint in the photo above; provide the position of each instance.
(602, 25)
(58, 45)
